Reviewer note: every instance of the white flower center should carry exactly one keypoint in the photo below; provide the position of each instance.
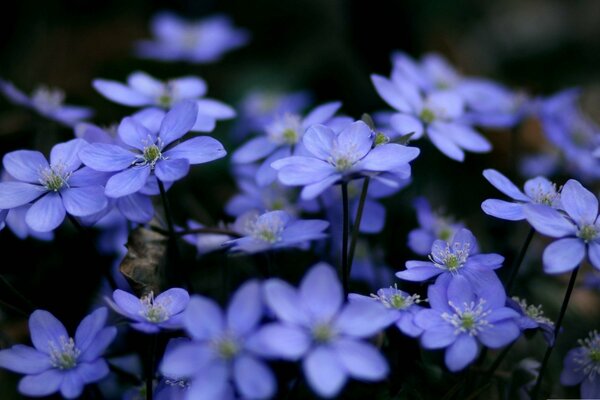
(267, 229)
(151, 154)
(588, 233)
(588, 361)
(396, 299)
(154, 312)
(48, 99)
(286, 129)
(470, 319)
(547, 197)
(64, 355)
(227, 346)
(55, 177)
(452, 258)
(534, 312)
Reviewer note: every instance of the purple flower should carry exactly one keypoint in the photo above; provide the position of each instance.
(459, 320)
(151, 151)
(457, 258)
(54, 188)
(201, 41)
(276, 230)
(582, 366)
(143, 90)
(401, 305)
(219, 351)
(60, 362)
(437, 114)
(332, 158)
(433, 226)
(151, 314)
(15, 221)
(207, 242)
(577, 228)
(532, 317)
(315, 325)
(538, 190)
(47, 102)
(171, 387)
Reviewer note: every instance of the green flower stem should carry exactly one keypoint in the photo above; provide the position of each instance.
(518, 261)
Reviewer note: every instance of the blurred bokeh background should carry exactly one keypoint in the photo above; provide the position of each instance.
(329, 47)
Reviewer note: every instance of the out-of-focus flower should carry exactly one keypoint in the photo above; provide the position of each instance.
(532, 317)
(582, 366)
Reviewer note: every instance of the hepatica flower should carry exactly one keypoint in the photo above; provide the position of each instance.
(151, 314)
(532, 317)
(275, 230)
(48, 102)
(582, 366)
(459, 320)
(333, 158)
(432, 226)
(151, 152)
(59, 362)
(143, 90)
(218, 354)
(577, 229)
(538, 190)
(54, 188)
(200, 41)
(457, 258)
(316, 326)
(437, 115)
(401, 305)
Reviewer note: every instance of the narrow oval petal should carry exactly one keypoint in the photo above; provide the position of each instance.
(355, 140)
(321, 114)
(253, 378)
(363, 319)
(500, 334)
(361, 360)
(253, 150)
(145, 84)
(66, 155)
(106, 157)
(150, 118)
(324, 372)
(24, 360)
(503, 184)
(15, 194)
(245, 309)
(46, 214)
(136, 135)
(186, 359)
(92, 372)
(203, 319)
(99, 344)
(136, 207)
(388, 157)
(280, 341)
(89, 327)
(174, 300)
(25, 165)
(444, 143)
(461, 353)
(178, 121)
(438, 337)
(303, 230)
(503, 209)
(467, 138)
(188, 87)
(405, 124)
(390, 93)
(171, 170)
(321, 292)
(319, 140)
(310, 192)
(84, 201)
(445, 104)
(460, 291)
(211, 383)
(485, 261)
(298, 170)
(197, 150)
(579, 203)
(594, 254)
(571, 375)
(215, 109)
(204, 123)
(46, 331)
(127, 182)
(419, 274)
(283, 300)
(548, 221)
(563, 255)
(121, 94)
(44, 384)
(128, 304)
(72, 385)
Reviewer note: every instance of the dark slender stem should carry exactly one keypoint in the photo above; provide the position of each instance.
(173, 247)
(563, 310)
(357, 219)
(17, 293)
(14, 308)
(345, 217)
(84, 232)
(518, 261)
(167, 208)
(150, 369)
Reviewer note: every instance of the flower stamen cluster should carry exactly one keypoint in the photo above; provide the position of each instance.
(48, 99)
(267, 230)
(452, 258)
(397, 300)
(587, 233)
(286, 129)
(470, 319)
(589, 359)
(65, 355)
(152, 311)
(54, 177)
(534, 312)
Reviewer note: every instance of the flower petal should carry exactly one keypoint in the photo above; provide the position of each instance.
(391, 93)
(321, 114)
(121, 94)
(174, 300)
(25, 165)
(43, 384)
(363, 319)
(211, 383)
(300, 170)
(145, 84)
(324, 372)
(405, 124)
(321, 292)
(283, 300)
(503, 184)
(461, 353)
(93, 371)
(134, 134)
(253, 150)
(72, 385)
(66, 155)
(203, 318)
(188, 87)
(467, 138)
(361, 360)
(579, 203)
(444, 143)
(215, 109)
(356, 140)
(253, 378)
(245, 309)
(178, 121)
(99, 344)
(319, 140)
(419, 274)
(15, 194)
(127, 182)
(136, 207)
(46, 214)
(563, 255)
(24, 360)
(46, 331)
(84, 201)
(106, 157)
(500, 334)
(310, 192)
(198, 150)
(388, 157)
(89, 327)
(280, 341)
(548, 221)
(503, 209)
(186, 359)
(128, 304)
(171, 170)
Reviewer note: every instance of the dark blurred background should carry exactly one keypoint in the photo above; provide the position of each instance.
(329, 47)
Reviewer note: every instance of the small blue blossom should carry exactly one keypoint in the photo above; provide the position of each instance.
(532, 317)
(333, 158)
(276, 230)
(582, 367)
(199, 42)
(151, 151)
(151, 314)
(577, 228)
(538, 190)
(48, 102)
(432, 226)
(54, 188)
(316, 326)
(220, 353)
(401, 305)
(60, 362)
(143, 90)
(459, 320)
(456, 258)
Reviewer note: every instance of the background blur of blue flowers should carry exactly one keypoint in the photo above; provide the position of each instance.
(328, 48)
